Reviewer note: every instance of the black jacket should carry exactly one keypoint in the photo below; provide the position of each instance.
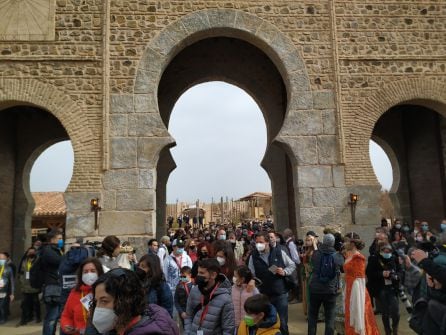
(317, 286)
(374, 271)
(51, 258)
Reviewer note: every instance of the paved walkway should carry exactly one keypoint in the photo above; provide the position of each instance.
(297, 323)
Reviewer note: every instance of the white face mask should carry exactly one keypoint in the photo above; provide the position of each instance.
(221, 261)
(104, 319)
(89, 278)
(260, 247)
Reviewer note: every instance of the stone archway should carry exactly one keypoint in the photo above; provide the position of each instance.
(41, 115)
(399, 114)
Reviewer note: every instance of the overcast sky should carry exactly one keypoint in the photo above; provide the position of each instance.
(221, 139)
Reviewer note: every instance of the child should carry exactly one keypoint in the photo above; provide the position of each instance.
(242, 276)
(6, 287)
(261, 317)
(182, 292)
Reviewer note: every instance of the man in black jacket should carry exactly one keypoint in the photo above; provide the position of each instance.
(324, 290)
(51, 255)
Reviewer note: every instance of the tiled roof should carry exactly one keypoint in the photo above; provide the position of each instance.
(257, 195)
(49, 204)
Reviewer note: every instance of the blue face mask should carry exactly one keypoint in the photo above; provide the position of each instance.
(443, 227)
(180, 251)
(60, 244)
(406, 229)
(425, 228)
(222, 237)
(2, 262)
(386, 255)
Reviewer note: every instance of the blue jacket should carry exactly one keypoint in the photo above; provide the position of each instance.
(161, 295)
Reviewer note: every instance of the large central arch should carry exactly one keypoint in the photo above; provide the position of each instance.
(300, 134)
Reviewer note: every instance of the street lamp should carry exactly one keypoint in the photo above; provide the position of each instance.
(354, 198)
(95, 208)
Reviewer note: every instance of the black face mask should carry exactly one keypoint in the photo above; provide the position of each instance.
(201, 282)
(192, 247)
(203, 255)
(32, 256)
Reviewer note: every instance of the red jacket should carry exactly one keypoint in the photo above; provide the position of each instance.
(74, 313)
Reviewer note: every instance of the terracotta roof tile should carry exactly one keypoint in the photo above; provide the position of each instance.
(49, 204)
(256, 195)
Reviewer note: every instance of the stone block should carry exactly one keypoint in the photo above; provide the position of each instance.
(302, 100)
(177, 31)
(305, 122)
(149, 148)
(293, 62)
(146, 103)
(151, 62)
(163, 43)
(300, 82)
(329, 122)
(304, 149)
(343, 215)
(324, 100)
(339, 176)
(196, 21)
(109, 200)
(247, 22)
(120, 179)
(267, 32)
(135, 200)
(368, 216)
(317, 216)
(314, 176)
(79, 201)
(305, 197)
(146, 178)
(118, 125)
(221, 18)
(121, 104)
(330, 197)
(123, 153)
(327, 148)
(145, 81)
(147, 125)
(125, 223)
(368, 195)
(78, 225)
(282, 45)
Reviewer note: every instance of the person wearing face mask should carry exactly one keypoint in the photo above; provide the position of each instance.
(261, 317)
(6, 287)
(205, 251)
(225, 257)
(51, 257)
(242, 276)
(119, 307)
(75, 313)
(173, 264)
(307, 269)
(237, 247)
(443, 226)
(191, 248)
(182, 293)
(109, 252)
(152, 279)
(383, 273)
(209, 306)
(30, 303)
(271, 265)
(221, 235)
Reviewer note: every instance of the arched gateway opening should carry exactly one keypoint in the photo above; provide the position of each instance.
(242, 64)
(25, 132)
(414, 134)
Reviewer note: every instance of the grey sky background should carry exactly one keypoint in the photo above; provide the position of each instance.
(221, 139)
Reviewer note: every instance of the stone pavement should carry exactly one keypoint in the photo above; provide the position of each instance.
(297, 323)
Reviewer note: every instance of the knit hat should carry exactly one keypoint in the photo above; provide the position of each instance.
(329, 240)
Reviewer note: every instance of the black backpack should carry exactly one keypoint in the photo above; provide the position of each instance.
(327, 268)
(36, 273)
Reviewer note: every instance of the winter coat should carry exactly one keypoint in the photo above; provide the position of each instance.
(161, 296)
(8, 280)
(74, 313)
(317, 286)
(154, 321)
(374, 271)
(51, 258)
(172, 269)
(269, 326)
(24, 283)
(219, 319)
(239, 296)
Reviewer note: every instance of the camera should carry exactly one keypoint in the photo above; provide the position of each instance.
(405, 300)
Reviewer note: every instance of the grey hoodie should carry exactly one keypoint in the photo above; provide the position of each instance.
(220, 318)
(318, 287)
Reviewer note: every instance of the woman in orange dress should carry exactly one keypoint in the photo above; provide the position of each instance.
(359, 316)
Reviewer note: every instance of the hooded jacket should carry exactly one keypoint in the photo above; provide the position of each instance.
(269, 326)
(74, 314)
(317, 286)
(219, 319)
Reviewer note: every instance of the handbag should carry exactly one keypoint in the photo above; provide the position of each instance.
(52, 294)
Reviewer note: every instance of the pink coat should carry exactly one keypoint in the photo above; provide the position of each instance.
(239, 296)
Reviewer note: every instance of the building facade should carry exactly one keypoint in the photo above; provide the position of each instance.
(328, 75)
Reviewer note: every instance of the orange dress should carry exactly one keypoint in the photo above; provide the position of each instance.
(354, 270)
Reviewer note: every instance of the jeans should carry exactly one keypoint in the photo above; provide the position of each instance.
(51, 318)
(3, 310)
(329, 302)
(389, 306)
(281, 304)
(30, 307)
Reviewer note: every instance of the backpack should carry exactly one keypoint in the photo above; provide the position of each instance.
(36, 273)
(327, 268)
(69, 265)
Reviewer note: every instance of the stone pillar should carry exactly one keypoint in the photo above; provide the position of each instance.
(165, 166)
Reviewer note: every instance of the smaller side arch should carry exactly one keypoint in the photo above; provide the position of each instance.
(358, 128)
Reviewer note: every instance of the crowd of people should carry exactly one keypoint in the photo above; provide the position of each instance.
(228, 279)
